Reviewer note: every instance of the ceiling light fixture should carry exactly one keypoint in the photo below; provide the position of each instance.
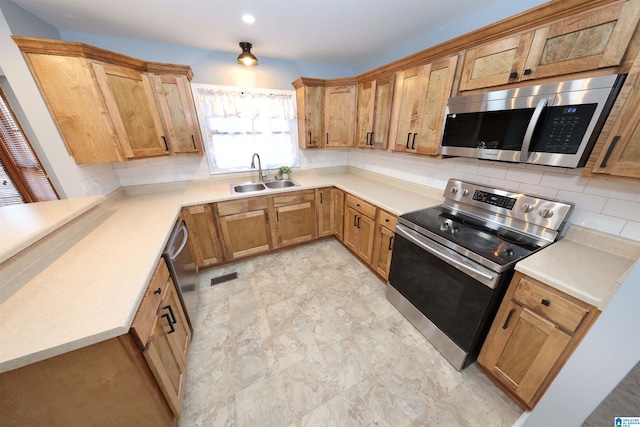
(249, 19)
(246, 57)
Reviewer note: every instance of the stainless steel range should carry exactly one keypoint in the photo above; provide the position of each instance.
(452, 263)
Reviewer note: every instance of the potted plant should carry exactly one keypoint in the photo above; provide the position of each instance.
(284, 171)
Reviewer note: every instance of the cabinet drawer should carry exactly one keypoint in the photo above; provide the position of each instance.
(361, 206)
(387, 220)
(294, 198)
(158, 287)
(242, 206)
(550, 304)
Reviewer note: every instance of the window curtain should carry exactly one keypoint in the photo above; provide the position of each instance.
(240, 122)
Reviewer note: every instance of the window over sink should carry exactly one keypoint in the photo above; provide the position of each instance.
(241, 121)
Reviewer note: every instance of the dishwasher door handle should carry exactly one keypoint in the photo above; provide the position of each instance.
(185, 237)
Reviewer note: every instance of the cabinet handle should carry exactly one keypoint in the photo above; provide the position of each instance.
(310, 143)
(277, 216)
(614, 141)
(266, 215)
(506, 322)
(371, 139)
(157, 291)
(327, 138)
(527, 71)
(173, 316)
(166, 147)
(513, 75)
(545, 302)
(193, 140)
(408, 139)
(320, 198)
(170, 324)
(391, 242)
(358, 222)
(355, 220)
(413, 143)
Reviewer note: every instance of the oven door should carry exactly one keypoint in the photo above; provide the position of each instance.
(449, 298)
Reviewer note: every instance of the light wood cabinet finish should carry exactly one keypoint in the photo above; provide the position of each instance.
(584, 42)
(205, 243)
(325, 202)
(245, 226)
(374, 113)
(340, 115)
(359, 227)
(339, 214)
(295, 217)
(383, 243)
(310, 101)
(178, 112)
(420, 98)
(534, 332)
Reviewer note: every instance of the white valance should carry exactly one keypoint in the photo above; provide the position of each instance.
(233, 103)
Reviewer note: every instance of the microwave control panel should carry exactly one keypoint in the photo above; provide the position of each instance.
(564, 128)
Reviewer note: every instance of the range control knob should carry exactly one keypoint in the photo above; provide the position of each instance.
(454, 190)
(526, 208)
(546, 213)
(465, 192)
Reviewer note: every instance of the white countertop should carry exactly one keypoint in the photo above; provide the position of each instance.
(586, 264)
(91, 292)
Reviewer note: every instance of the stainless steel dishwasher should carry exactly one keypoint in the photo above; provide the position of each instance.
(182, 268)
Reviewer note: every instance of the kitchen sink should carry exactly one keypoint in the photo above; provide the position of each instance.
(250, 187)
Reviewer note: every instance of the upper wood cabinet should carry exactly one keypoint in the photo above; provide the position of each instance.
(587, 41)
(617, 152)
(339, 115)
(178, 113)
(310, 101)
(374, 112)
(104, 103)
(419, 103)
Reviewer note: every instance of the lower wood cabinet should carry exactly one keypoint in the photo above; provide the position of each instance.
(359, 227)
(535, 331)
(245, 226)
(134, 379)
(338, 216)
(383, 243)
(325, 203)
(205, 244)
(295, 217)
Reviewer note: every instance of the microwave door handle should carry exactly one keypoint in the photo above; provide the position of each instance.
(528, 135)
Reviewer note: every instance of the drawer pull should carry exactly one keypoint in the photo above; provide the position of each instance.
(173, 316)
(170, 324)
(157, 291)
(545, 302)
(506, 322)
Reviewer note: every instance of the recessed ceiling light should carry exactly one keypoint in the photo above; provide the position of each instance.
(249, 19)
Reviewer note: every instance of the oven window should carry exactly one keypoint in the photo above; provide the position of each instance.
(456, 303)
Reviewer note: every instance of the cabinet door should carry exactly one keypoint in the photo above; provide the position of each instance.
(382, 250)
(181, 334)
(374, 112)
(326, 211)
(295, 224)
(179, 117)
(205, 244)
(405, 107)
(165, 357)
(310, 102)
(495, 63)
(340, 116)
(246, 233)
(592, 40)
(129, 100)
(351, 229)
(339, 214)
(523, 350)
(366, 230)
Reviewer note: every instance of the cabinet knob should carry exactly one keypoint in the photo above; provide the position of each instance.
(513, 75)
(157, 291)
(545, 302)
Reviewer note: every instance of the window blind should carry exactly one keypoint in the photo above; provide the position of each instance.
(21, 169)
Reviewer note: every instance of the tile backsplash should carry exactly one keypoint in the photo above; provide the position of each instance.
(608, 206)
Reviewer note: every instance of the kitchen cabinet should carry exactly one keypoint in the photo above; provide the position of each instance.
(310, 102)
(244, 226)
(325, 203)
(420, 99)
(103, 103)
(534, 332)
(339, 115)
(338, 215)
(178, 113)
(133, 379)
(617, 152)
(359, 227)
(205, 243)
(374, 112)
(295, 217)
(584, 42)
(383, 243)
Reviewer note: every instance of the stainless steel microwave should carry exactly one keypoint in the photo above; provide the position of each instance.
(554, 124)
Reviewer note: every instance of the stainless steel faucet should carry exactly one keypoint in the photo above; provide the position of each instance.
(253, 165)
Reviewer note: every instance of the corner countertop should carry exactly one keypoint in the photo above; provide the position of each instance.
(586, 264)
(91, 291)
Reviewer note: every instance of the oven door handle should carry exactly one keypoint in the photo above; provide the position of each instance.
(484, 276)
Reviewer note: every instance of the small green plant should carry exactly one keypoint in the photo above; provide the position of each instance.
(284, 170)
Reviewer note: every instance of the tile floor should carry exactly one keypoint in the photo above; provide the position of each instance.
(306, 337)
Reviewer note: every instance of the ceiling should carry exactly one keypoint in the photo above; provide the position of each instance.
(337, 32)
